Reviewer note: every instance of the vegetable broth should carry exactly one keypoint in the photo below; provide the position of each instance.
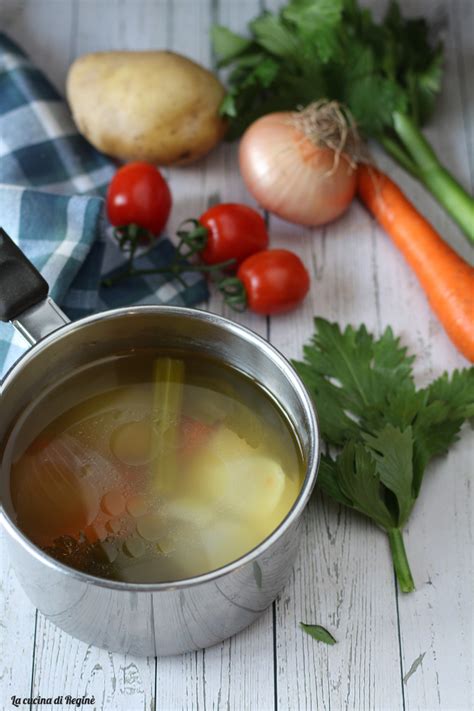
(154, 467)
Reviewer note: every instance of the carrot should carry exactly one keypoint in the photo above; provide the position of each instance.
(447, 279)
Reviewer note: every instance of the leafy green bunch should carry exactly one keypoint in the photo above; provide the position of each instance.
(333, 49)
(386, 74)
(383, 429)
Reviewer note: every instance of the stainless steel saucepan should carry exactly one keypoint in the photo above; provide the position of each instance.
(142, 619)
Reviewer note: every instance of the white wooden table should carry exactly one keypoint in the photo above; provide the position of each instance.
(343, 578)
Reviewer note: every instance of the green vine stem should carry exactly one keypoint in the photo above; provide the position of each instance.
(191, 243)
(234, 293)
(175, 269)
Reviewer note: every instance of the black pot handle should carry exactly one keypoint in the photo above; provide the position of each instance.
(21, 284)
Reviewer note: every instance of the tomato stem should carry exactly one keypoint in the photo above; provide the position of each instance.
(175, 268)
(194, 239)
(191, 242)
(132, 235)
(234, 293)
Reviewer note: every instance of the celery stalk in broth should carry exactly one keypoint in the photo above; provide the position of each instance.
(168, 376)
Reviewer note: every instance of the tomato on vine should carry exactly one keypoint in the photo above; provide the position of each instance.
(139, 195)
(227, 237)
(269, 282)
(226, 231)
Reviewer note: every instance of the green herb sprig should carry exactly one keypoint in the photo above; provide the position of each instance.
(383, 429)
(319, 633)
(387, 74)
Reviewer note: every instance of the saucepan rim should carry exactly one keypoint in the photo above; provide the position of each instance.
(252, 338)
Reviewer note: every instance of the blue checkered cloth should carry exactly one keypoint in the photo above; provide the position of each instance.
(52, 184)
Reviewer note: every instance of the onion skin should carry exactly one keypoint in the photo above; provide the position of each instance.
(292, 177)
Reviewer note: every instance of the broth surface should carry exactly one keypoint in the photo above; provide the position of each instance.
(154, 467)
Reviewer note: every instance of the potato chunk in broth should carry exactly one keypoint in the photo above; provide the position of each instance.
(154, 467)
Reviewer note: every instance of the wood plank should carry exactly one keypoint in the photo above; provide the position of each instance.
(26, 22)
(179, 680)
(436, 620)
(399, 297)
(29, 22)
(238, 673)
(62, 663)
(451, 144)
(461, 19)
(216, 178)
(17, 632)
(344, 577)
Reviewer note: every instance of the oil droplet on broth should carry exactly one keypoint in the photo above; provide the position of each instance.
(113, 502)
(114, 517)
(151, 527)
(132, 443)
(138, 505)
(134, 547)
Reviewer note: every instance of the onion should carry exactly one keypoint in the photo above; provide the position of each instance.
(299, 165)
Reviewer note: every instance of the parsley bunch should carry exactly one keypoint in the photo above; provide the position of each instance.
(386, 74)
(382, 429)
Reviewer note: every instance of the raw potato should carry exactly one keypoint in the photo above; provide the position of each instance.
(238, 477)
(158, 107)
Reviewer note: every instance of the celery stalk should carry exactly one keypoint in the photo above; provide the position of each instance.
(418, 154)
(168, 375)
(400, 560)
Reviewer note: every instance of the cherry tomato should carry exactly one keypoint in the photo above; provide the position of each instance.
(234, 232)
(275, 281)
(138, 194)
